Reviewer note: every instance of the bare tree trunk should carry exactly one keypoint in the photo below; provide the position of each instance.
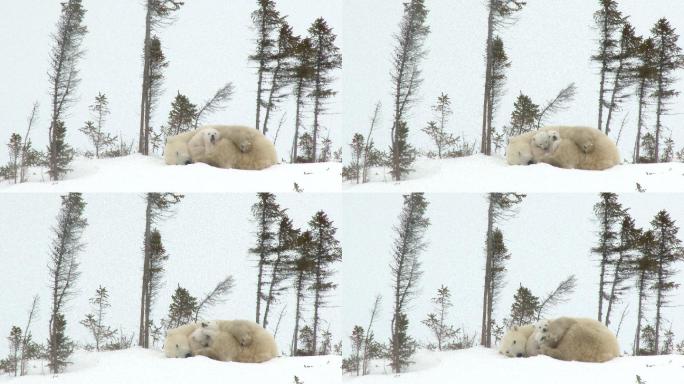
(659, 111)
(640, 315)
(488, 81)
(486, 300)
(295, 336)
(144, 106)
(144, 303)
(659, 304)
(640, 122)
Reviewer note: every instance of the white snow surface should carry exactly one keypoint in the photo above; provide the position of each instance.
(480, 173)
(137, 365)
(482, 365)
(137, 173)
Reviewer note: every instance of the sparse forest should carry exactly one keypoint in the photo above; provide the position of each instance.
(294, 265)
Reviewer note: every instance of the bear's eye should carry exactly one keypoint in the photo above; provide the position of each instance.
(177, 346)
(515, 341)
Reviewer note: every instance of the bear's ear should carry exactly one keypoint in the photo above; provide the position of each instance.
(515, 328)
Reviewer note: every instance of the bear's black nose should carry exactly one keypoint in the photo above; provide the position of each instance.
(518, 355)
(189, 354)
(530, 162)
(188, 162)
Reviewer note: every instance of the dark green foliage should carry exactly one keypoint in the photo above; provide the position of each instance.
(609, 215)
(59, 151)
(302, 74)
(60, 347)
(644, 74)
(306, 338)
(406, 271)
(181, 310)
(609, 21)
(437, 321)
(306, 145)
(63, 268)
(280, 266)
(266, 215)
(627, 249)
(668, 59)
(63, 75)
(669, 251)
(648, 336)
(523, 117)
(645, 269)
(102, 141)
(402, 346)
(181, 117)
(352, 364)
(303, 267)
(524, 307)
(445, 142)
(281, 69)
(406, 79)
(326, 252)
(625, 53)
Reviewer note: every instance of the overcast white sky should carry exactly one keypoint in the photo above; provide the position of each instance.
(207, 239)
(207, 46)
(549, 47)
(550, 239)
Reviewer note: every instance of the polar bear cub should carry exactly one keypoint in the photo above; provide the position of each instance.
(546, 141)
(203, 142)
(233, 340)
(577, 339)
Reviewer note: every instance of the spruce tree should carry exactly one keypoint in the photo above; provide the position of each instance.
(63, 74)
(609, 21)
(437, 321)
(523, 117)
(94, 322)
(524, 307)
(500, 207)
(215, 296)
(326, 252)
(15, 145)
(14, 339)
(500, 14)
(327, 58)
(280, 71)
(669, 58)
(101, 140)
(627, 246)
(280, 265)
(500, 64)
(266, 214)
(182, 116)
(158, 13)
(356, 340)
(500, 256)
(302, 73)
(63, 268)
(303, 267)
(266, 21)
(305, 148)
(355, 167)
(645, 267)
(644, 74)
(444, 141)
(624, 59)
(181, 310)
(406, 271)
(609, 214)
(406, 79)
(158, 206)
(556, 296)
(216, 103)
(669, 251)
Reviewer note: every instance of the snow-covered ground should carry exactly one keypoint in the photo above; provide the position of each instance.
(138, 365)
(137, 173)
(482, 365)
(480, 173)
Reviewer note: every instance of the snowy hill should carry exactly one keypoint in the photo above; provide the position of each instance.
(481, 365)
(138, 365)
(479, 173)
(137, 173)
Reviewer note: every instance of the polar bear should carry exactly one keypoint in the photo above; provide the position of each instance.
(203, 141)
(577, 339)
(177, 342)
(225, 153)
(176, 151)
(233, 340)
(578, 147)
(514, 342)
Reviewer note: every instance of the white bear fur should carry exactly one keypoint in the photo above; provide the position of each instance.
(579, 147)
(233, 340)
(578, 339)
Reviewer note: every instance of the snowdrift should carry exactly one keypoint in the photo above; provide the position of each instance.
(480, 173)
(482, 365)
(137, 173)
(137, 365)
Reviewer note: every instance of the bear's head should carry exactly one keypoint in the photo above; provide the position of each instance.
(210, 136)
(514, 342)
(519, 152)
(176, 152)
(177, 344)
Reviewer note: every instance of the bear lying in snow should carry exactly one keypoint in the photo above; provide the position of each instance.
(577, 339)
(224, 146)
(565, 338)
(226, 340)
(564, 147)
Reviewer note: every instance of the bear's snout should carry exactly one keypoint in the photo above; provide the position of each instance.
(189, 354)
(188, 162)
(519, 355)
